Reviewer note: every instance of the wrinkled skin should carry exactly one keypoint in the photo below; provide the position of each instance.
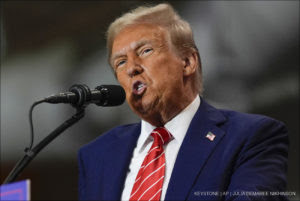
(157, 81)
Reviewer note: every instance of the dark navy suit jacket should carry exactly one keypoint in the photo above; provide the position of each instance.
(246, 160)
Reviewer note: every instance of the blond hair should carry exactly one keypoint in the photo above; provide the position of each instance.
(163, 15)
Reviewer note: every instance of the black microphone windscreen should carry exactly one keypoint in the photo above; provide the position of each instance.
(113, 95)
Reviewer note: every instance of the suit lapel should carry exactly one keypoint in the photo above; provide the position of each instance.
(195, 150)
(117, 161)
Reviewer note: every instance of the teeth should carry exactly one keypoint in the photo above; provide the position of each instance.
(140, 86)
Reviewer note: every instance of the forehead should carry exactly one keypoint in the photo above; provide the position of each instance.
(134, 35)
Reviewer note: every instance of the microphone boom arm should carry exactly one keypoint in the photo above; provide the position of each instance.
(31, 153)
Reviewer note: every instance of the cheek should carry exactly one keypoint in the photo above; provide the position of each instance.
(126, 86)
(124, 82)
(165, 72)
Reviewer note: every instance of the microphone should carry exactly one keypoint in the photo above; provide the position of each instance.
(81, 95)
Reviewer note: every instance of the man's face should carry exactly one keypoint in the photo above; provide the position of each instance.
(149, 70)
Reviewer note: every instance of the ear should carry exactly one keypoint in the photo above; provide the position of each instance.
(190, 63)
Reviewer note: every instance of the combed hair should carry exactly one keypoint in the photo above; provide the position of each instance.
(165, 16)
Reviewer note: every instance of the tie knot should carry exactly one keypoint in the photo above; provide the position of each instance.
(161, 135)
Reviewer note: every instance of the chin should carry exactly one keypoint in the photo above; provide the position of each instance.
(140, 109)
(144, 105)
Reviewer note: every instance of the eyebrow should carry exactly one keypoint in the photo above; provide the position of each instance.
(133, 46)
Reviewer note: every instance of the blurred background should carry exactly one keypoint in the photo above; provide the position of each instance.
(250, 59)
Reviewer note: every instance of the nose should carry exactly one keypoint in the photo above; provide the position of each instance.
(134, 68)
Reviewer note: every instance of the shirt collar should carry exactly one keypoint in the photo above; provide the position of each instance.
(177, 126)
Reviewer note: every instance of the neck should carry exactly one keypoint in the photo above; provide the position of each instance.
(161, 117)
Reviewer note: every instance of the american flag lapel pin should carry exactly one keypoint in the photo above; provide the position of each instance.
(210, 136)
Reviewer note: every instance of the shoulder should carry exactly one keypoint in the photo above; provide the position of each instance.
(239, 126)
(247, 121)
(236, 121)
(253, 129)
(248, 118)
(105, 139)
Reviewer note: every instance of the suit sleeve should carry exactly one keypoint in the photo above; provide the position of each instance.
(261, 167)
(81, 179)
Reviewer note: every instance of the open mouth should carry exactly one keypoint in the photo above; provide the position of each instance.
(138, 88)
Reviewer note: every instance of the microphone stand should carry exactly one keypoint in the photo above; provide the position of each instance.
(31, 153)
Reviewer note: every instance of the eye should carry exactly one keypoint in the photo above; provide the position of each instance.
(146, 51)
(120, 63)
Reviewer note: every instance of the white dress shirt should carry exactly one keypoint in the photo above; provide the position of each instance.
(178, 127)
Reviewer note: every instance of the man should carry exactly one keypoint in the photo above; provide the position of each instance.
(183, 149)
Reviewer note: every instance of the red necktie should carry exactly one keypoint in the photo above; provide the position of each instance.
(150, 178)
